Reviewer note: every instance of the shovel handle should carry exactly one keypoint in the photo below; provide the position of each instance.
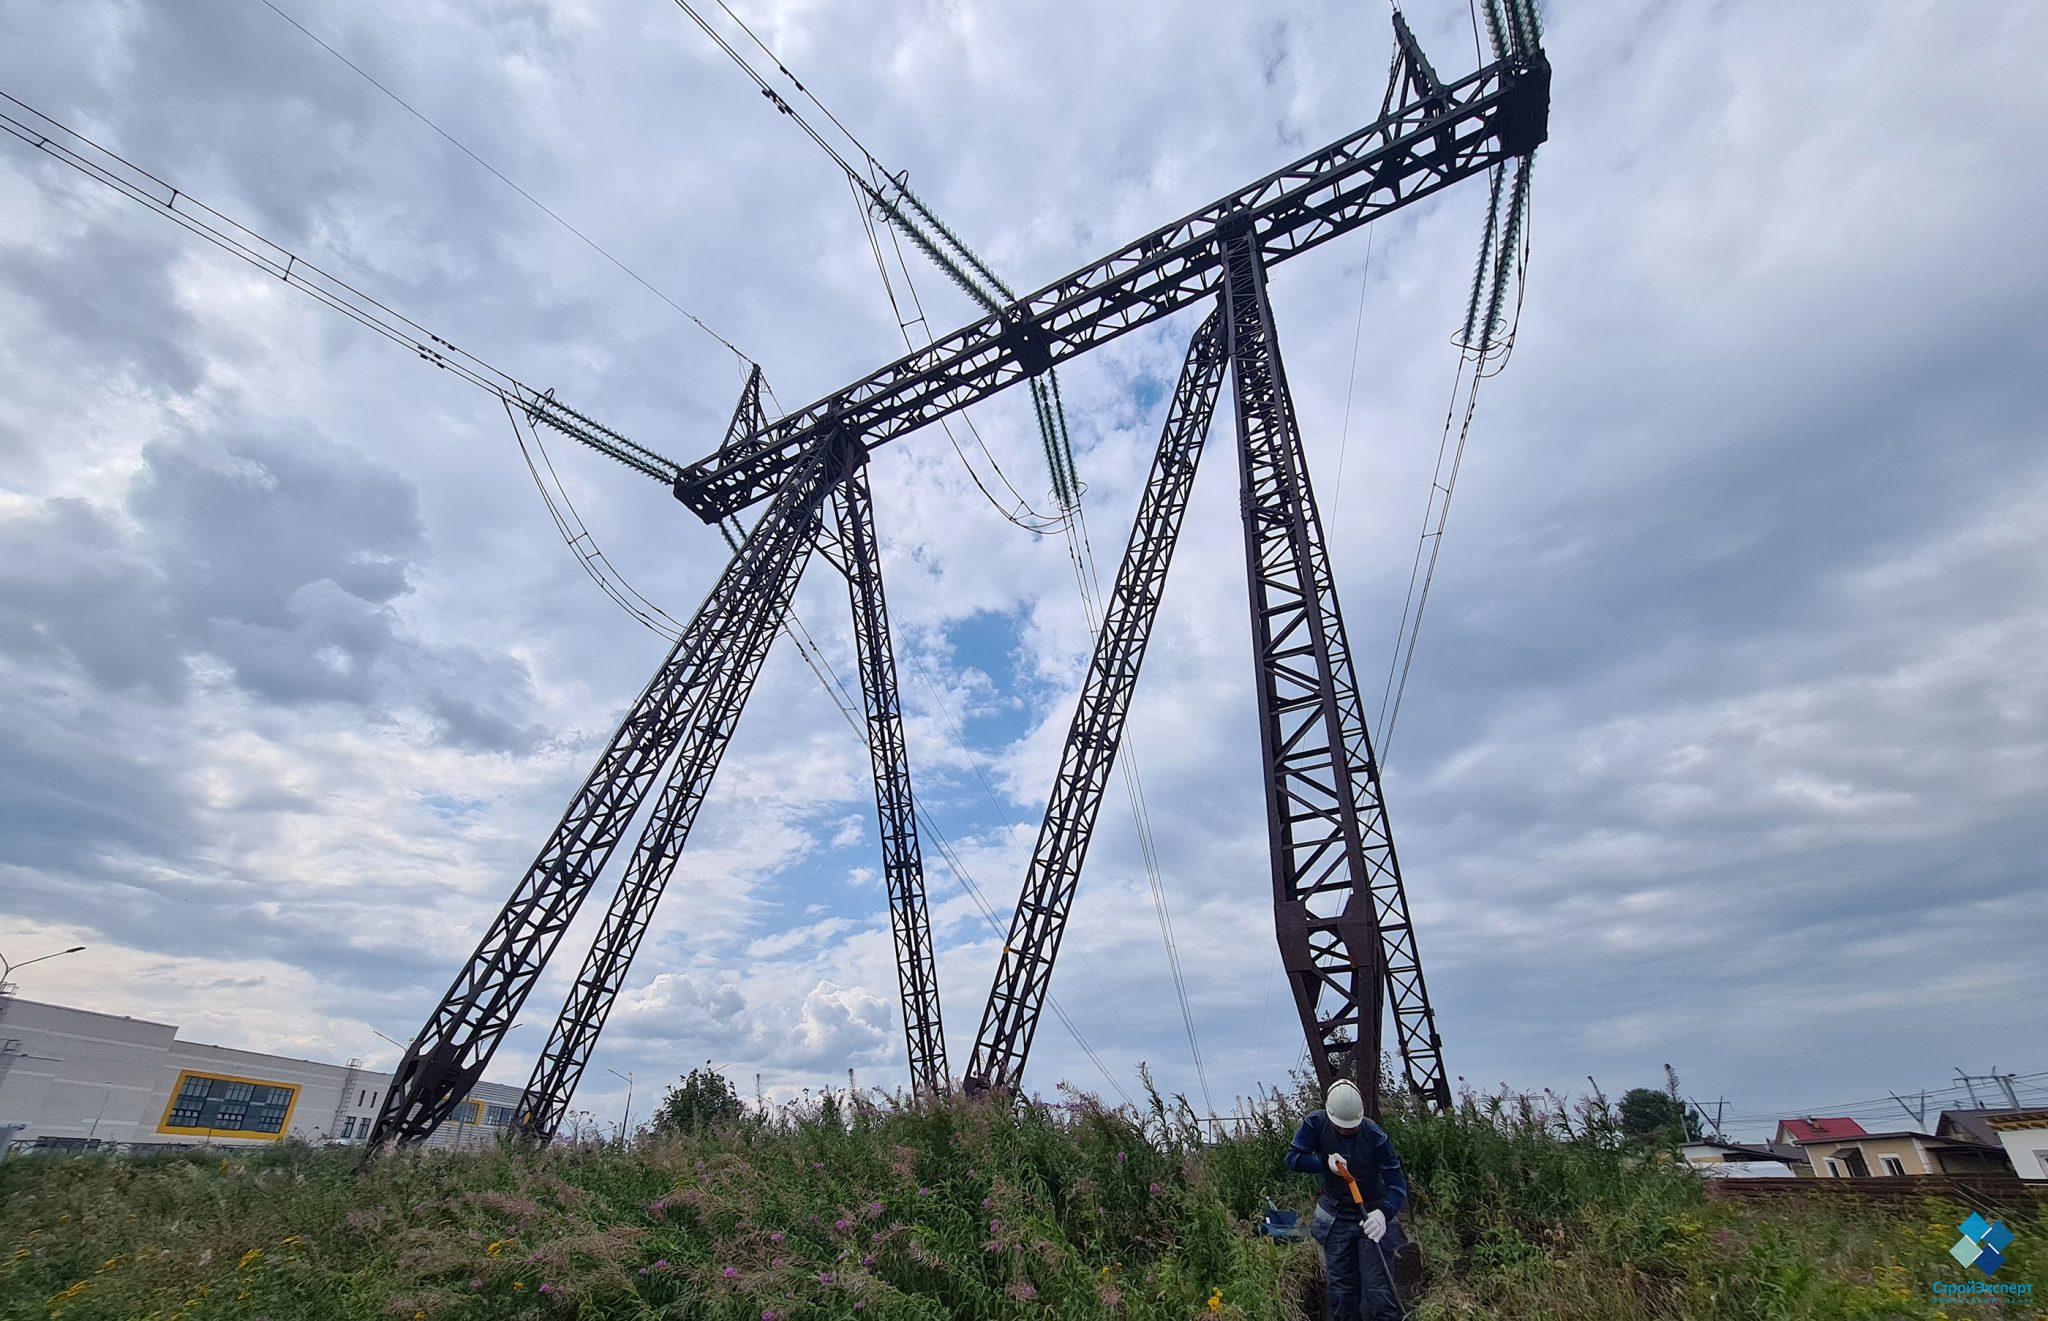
(1351, 1183)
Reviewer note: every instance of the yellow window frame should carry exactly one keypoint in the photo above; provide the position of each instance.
(178, 1089)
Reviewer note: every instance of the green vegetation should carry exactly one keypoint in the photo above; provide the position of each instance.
(962, 1209)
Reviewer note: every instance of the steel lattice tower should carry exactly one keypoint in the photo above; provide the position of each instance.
(1340, 909)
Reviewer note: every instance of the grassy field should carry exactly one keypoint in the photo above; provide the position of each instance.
(942, 1211)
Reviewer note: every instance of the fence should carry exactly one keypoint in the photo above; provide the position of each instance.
(1989, 1192)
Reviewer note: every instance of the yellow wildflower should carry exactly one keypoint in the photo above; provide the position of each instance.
(493, 1249)
(288, 1240)
(72, 1292)
(1215, 1301)
(249, 1258)
(110, 1263)
(518, 1287)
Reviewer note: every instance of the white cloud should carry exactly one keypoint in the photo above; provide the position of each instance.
(1727, 722)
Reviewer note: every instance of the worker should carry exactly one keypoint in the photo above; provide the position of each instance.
(1363, 1190)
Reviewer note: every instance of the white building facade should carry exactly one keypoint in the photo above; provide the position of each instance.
(2024, 1135)
(72, 1079)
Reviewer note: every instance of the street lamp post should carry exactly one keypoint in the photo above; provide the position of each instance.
(626, 1118)
(7, 969)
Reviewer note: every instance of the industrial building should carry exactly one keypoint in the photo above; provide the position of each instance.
(73, 1079)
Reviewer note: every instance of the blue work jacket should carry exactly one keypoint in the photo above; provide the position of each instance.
(1369, 1154)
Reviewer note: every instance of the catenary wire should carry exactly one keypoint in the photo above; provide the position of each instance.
(500, 175)
(130, 180)
(843, 701)
(231, 236)
(1351, 379)
(1079, 546)
(1490, 349)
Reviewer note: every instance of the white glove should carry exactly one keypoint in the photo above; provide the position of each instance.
(1376, 1226)
(1337, 1165)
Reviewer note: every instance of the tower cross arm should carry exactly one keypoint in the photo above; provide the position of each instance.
(1499, 112)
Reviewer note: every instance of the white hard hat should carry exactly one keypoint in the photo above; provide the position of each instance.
(1343, 1104)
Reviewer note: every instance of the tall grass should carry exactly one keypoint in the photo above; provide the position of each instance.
(968, 1209)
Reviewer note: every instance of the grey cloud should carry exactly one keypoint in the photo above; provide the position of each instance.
(104, 288)
(1731, 674)
(283, 558)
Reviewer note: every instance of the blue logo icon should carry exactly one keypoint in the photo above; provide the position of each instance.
(1982, 1245)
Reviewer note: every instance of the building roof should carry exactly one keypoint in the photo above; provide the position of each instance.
(1928, 1138)
(1750, 1151)
(2018, 1119)
(1811, 1129)
(1757, 1151)
(1977, 1125)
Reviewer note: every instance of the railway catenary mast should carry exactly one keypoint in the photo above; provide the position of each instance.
(1339, 906)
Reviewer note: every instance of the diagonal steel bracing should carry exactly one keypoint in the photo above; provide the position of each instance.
(1342, 917)
(1025, 973)
(734, 663)
(450, 1053)
(917, 971)
(1408, 153)
(1340, 913)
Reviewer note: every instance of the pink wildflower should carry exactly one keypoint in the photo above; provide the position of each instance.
(731, 1273)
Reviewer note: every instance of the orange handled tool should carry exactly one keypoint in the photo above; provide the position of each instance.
(1344, 1173)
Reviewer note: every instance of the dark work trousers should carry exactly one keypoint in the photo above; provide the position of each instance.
(1355, 1268)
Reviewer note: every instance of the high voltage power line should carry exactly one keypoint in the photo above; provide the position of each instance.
(521, 401)
(582, 542)
(500, 175)
(890, 194)
(1439, 134)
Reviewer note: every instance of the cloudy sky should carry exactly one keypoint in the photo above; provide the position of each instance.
(1728, 735)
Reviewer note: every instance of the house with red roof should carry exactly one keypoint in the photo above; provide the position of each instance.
(1809, 1129)
(1840, 1148)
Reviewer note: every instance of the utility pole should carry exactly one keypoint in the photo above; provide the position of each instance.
(1713, 1124)
(626, 1117)
(1917, 1111)
(2002, 1081)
